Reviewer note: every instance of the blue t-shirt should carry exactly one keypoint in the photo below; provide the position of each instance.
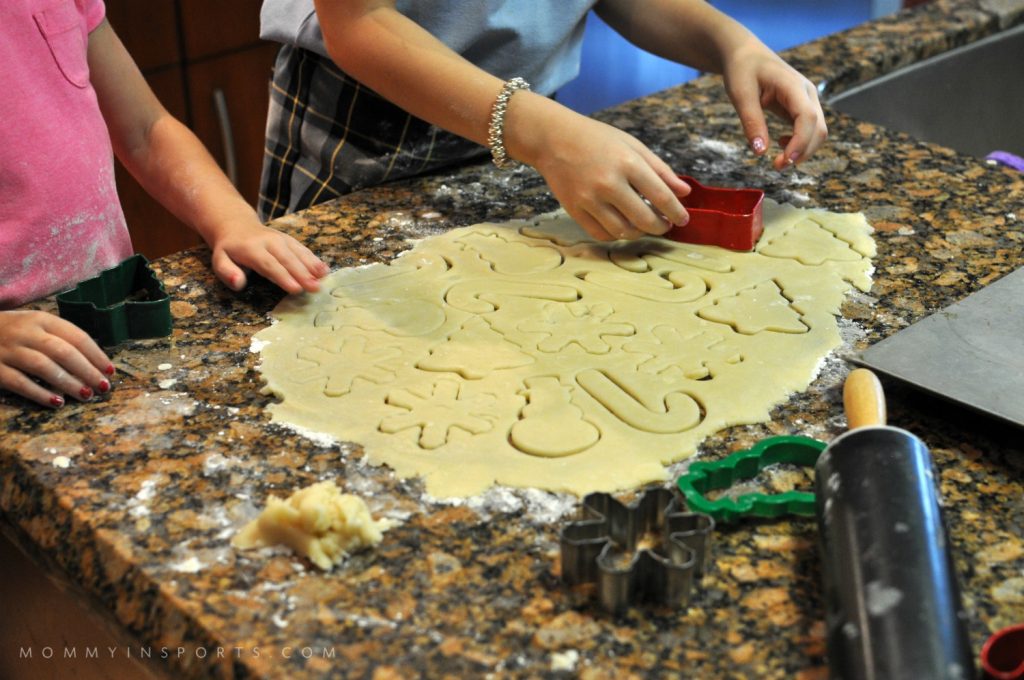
(538, 40)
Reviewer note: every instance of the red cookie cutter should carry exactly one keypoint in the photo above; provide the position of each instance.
(730, 218)
(1002, 656)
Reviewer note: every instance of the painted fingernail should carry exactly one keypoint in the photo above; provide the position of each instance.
(109, 370)
(758, 145)
(56, 401)
(104, 386)
(792, 157)
(85, 392)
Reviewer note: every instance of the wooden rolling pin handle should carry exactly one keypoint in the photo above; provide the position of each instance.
(863, 399)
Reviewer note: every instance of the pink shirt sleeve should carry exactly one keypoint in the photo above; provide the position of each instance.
(93, 11)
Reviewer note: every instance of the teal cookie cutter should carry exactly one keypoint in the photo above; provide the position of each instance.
(702, 477)
(124, 302)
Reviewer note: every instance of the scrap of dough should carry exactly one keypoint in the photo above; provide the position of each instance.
(527, 354)
(318, 522)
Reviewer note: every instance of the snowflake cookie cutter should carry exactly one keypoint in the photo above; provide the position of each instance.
(702, 477)
(608, 546)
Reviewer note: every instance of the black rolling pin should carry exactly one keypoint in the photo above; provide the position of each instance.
(892, 599)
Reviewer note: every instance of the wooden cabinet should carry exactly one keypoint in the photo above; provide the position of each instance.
(206, 63)
(229, 113)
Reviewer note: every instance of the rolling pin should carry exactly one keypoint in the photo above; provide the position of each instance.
(893, 606)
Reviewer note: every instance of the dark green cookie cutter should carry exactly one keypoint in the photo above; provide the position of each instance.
(125, 301)
(702, 477)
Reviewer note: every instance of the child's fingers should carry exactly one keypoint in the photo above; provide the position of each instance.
(662, 207)
(13, 380)
(227, 271)
(98, 368)
(269, 264)
(746, 100)
(615, 222)
(314, 265)
(592, 226)
(304, 267)
(809, 129)
(35, 363)
(74, 375)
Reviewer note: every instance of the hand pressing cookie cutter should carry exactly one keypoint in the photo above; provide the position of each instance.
(730, 218)
(125, 301)
(702, 477)
(604, 547)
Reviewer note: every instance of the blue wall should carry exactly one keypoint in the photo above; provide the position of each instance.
(612, 70)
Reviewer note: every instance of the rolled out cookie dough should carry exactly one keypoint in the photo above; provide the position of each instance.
(526, 354)
(318, 522)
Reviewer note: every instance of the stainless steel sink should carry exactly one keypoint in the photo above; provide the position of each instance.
(970, 99)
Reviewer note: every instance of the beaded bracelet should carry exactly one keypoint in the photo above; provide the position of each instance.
(496, 128)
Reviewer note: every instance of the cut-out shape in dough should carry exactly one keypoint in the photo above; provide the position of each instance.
(753, 310)
(693, 355)
(394, 317)
(438, 413)
(473, 352)
(513, 257)
(586, 326)
(339, 367)
(809, 243)
(479, 297)
(677, 411)
(616, 384)
(551, 425)
(672, 286)
(639, 256)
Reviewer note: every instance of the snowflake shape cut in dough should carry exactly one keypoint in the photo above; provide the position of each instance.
(695, 356)
(349, 361)
(438, 413)
(579, 323)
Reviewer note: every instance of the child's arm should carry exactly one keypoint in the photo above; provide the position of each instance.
(174, 167)
(57, 352)
(596, 171)
(695, 33)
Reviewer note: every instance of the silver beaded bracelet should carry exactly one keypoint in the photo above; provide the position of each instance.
(496, 128)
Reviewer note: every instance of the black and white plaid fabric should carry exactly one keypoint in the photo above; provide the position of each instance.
(328, 135)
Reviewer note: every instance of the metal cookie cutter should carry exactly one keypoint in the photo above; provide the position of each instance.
(702, 477)
(125, 301)
(608, 546)
(731, 218)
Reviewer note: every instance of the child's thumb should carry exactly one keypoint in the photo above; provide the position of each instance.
(227, 271)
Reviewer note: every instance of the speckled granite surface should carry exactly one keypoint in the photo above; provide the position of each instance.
(160, 472)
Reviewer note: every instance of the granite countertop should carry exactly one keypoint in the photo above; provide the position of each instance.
(134, 496)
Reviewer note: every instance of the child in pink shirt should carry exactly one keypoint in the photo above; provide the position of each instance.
(74, 98)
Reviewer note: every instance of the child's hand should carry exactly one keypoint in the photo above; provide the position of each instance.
(757, 80)
(44, 346)
(606, 179)
(276, 256)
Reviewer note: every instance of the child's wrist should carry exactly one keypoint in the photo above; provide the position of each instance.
(496, 124)
(528, 123)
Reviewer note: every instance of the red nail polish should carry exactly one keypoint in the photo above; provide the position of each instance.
(85, 392)
(56, 401)
(109, 370)
(104, 386)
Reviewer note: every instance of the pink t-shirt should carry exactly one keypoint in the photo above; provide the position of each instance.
(60, 218)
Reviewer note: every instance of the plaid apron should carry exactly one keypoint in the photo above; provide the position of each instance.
(327, 135)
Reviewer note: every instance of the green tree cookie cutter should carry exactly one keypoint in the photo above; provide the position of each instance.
(702, 477)
(125, 301)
